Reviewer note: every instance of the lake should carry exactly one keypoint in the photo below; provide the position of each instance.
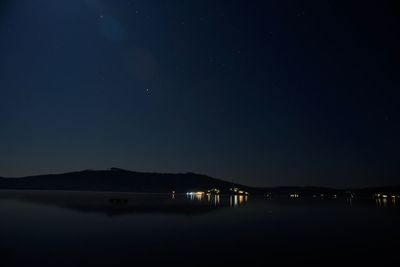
(58, 228)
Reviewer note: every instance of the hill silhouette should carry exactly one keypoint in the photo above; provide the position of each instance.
(118, 180)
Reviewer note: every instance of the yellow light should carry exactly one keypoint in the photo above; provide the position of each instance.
(241, 200)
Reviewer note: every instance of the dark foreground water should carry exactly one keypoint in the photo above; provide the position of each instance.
(110, 229)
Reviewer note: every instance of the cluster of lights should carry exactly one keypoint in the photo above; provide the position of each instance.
(200, 195)
(209, 192)
(385, 196)
(195, 193)
(349, 194)
(238, 191)
(296, 195)
(214, 191)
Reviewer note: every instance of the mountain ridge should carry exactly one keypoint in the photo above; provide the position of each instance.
(121, 180)
(116, 179)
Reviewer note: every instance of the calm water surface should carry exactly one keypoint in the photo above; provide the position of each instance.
(116, 229)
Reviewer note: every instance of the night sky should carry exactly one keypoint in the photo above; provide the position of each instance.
(257, 92)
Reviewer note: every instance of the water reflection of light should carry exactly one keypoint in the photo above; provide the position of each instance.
(216, 200)
(241, 200)
(385, 199)
(378, 202)
(195, 195)
(213, 199)
(350, 201)
(237, 200)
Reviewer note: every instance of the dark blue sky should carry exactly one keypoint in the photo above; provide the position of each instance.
(257, 92)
